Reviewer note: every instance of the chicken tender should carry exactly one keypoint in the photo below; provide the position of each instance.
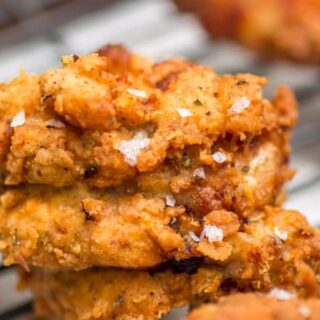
(279, 253)
(79, 229)
(286, 29)
(105, 119)
(106, 293)
(247, 176)
(278, 305)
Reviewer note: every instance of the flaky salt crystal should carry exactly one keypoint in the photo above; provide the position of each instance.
(184, 113)
(170, 201)
(212, 233)
(281, 294)
(137, 93)
(19, 119)
(200, 173)
(219, 157)
(282, 235)
(131, 148)
(240, 105)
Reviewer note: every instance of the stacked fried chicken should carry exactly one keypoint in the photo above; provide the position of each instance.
(132, 187)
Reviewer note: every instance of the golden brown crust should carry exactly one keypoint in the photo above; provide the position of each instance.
(113, 293)
(254, 306)
(107, 294)
(251, 177)
(89, 94)
(79, 229)
(259, 262)
(287, 29)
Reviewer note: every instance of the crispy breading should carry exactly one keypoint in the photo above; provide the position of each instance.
(118, 294)
(255, 306)
(251, 177)
(77, 228)
(287, 29)
(98, 294)
(259, 262)
(102, 102)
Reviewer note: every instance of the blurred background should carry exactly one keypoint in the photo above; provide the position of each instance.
(35, 33)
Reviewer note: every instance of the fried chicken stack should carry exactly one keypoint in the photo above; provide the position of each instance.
(132, 187)
(285, 29)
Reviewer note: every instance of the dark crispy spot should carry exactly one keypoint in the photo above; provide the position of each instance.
(242, 82)
(229, 285)
(246, 169)
(189, 266)
(197, 102)
(91, 171)
(88, 216)
(216, 94)
(208, 113)
(75, 57)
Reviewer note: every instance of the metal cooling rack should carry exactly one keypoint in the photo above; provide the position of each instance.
(34, 34)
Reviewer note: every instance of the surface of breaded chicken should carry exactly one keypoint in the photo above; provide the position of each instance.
(279, 254)
(104, 120)
(277, 305)
(80, 227)
(143, 233)
(288, 29)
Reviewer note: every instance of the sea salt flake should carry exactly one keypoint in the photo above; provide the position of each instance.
(219, 157)
(137, 93)
(18, 120)
(194, 237)
(304, 311)
(282, 235)
(240, 105)
(200, 173)
(170, 201)
(131, 148)
(184, 113)
(281, 294)
(54, 123)
(212, 233)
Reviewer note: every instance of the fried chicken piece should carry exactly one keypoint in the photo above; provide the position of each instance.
(102, 120)
(99, 294)
(133, 226)
(77, 228)
(286, 29)
(263, 307)
(279, 252)
(245, 177)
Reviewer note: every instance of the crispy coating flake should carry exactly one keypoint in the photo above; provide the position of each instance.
(254, 306)
(259, 262)
(102, 101)
(287, 29)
